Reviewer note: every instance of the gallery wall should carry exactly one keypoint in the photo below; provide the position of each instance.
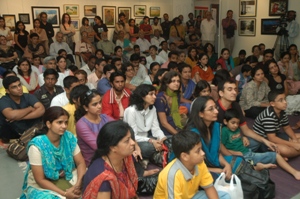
(24, 6)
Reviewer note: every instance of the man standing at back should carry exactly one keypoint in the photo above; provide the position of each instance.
(18, 111)
(229, 26)
(208, 29)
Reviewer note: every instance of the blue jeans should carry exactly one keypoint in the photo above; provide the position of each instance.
(202, 195)
(265, 158)
(147, 149)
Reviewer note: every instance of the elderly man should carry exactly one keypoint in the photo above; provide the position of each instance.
(208, 29)
(60, 44)
(106, 45)
(84, 48)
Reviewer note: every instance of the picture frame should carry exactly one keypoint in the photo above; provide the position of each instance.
(52, 12)
(154, 11)
(109, 16)
(278, 7)
(140, 10)
(24, 17)
(10, 21)
(248, 8)
(90, 10)
(126, 11)
(268, 26)
(72, 10)
(76, 23)
(91, 21)
(247, 27)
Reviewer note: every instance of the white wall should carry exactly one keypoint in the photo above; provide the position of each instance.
(243, 42)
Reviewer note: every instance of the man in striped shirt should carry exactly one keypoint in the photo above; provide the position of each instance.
(268, 124)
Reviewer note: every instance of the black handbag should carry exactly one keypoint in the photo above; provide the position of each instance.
(163, 157)
(146, 185)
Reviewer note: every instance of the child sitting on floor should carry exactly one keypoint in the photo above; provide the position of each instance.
(183, 176)
(232, 140)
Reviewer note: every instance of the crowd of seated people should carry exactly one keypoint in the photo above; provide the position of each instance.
(162, 81)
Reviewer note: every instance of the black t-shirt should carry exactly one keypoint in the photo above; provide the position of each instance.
(99, 29)
(48, 28)
(279, 86)
(234, 105)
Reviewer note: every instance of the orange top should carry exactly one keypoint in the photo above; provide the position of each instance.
(207, 75)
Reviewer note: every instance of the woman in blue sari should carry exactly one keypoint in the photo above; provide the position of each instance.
(202, 120)
(187, 85)
(56, 166)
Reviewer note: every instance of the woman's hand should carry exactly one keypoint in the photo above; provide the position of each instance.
(72, 193)
(227, 171)
(157, 145)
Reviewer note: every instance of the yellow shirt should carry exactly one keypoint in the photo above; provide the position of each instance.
(175, 181)
(3, 92)
(70, 108)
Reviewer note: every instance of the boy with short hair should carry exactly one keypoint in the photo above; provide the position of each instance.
(242, 79)
(182, 177)
(268, 123)
(232, 140)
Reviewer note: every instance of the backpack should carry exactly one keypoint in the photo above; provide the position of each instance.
(17, 149)
(249, 177)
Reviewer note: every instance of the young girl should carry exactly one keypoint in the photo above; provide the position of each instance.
(192, 57)
(27, 77)
(62, 66)
(43, 39)
(181, 57)
(21, 38)
(202, 71)
(202, 88)
(36, 61)
(226, 60)
(154, 67)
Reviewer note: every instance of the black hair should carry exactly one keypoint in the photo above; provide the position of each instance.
(73, 68)
(110, 135)
(230, 114)
(17, 30)
(222, 83)
(58, 58)
(172, 53)
(172, 65)
(8, 72)
(167, 78)
(34, 35)
(81, 72)
(272, 95)
(142, 58)
(69, 80)
(261, 44)
(154, 64)
(77, 91)
(160, 72)
(19, 64)
(117, 48)
(253, 48)
(92, 57)
(61, 50)
(284, 54)
(35, 21)
(99, 18)
(108, 67)
(136, 46)
(251, 59)
(136, 98)
(246, 68)
(292, 45)
(9, 80)
(135, 57)
(206, 45)
(51, 72)
(200, 86)
(100, 50)
(184, 141)
(63, 19)
(154, 47)
(268, 51)
(220, 75)
(116, 74)
(84, 100)
(183, 65)
(114, 60)
(254, 70)
(190, 50)
(195, 121)
(99, 61)
(83, 20)
(242, 52)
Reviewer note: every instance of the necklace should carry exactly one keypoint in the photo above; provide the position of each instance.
(117, 175)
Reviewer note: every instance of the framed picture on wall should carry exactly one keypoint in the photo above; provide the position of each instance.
(90, 10)
(126, 11)
(268, 26)
(247, 27)
(10, 21)
(278, 7)
(52, 12)
(109, 16)
(24, 17)
(139, 10)
(154, 11)
(248, 8)
(72, 9)
(76, 23)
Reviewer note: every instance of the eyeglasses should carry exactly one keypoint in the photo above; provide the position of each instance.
(212, 108)
(89, 93)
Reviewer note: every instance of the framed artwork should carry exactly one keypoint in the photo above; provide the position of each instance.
(138, 21)
(76, 23)
(247, 27)
(10, 21)
(126, 11)
(151, 21)
(154, 11)
(24, 17)
(268, 26)
(91, 21)
(139, 10)
(90, 10)
(109, 16)
(278, 7)
(72, 10)
(248, 8)
(52, 12)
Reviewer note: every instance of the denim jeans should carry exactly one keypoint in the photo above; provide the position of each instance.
(147, 149)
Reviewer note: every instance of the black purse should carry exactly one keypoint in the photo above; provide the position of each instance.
(147, 185)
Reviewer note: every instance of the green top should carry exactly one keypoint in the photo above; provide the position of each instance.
(232, 140)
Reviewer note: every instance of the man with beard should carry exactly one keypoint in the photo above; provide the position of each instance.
(116, 100)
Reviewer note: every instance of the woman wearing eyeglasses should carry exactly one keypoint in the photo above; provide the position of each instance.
(89, 122)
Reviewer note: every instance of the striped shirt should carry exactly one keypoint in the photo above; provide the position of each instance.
(268, 122)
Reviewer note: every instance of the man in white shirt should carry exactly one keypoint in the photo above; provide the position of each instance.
(63, 99)
(208, 29)
(157, 39)
(60, 44)
(143, 43)
(153, 57)
(106, 45)
(89, 68)
(164, 50)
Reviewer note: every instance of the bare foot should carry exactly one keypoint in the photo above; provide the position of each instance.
(150, 172)
(297, 175)
(261, 166)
